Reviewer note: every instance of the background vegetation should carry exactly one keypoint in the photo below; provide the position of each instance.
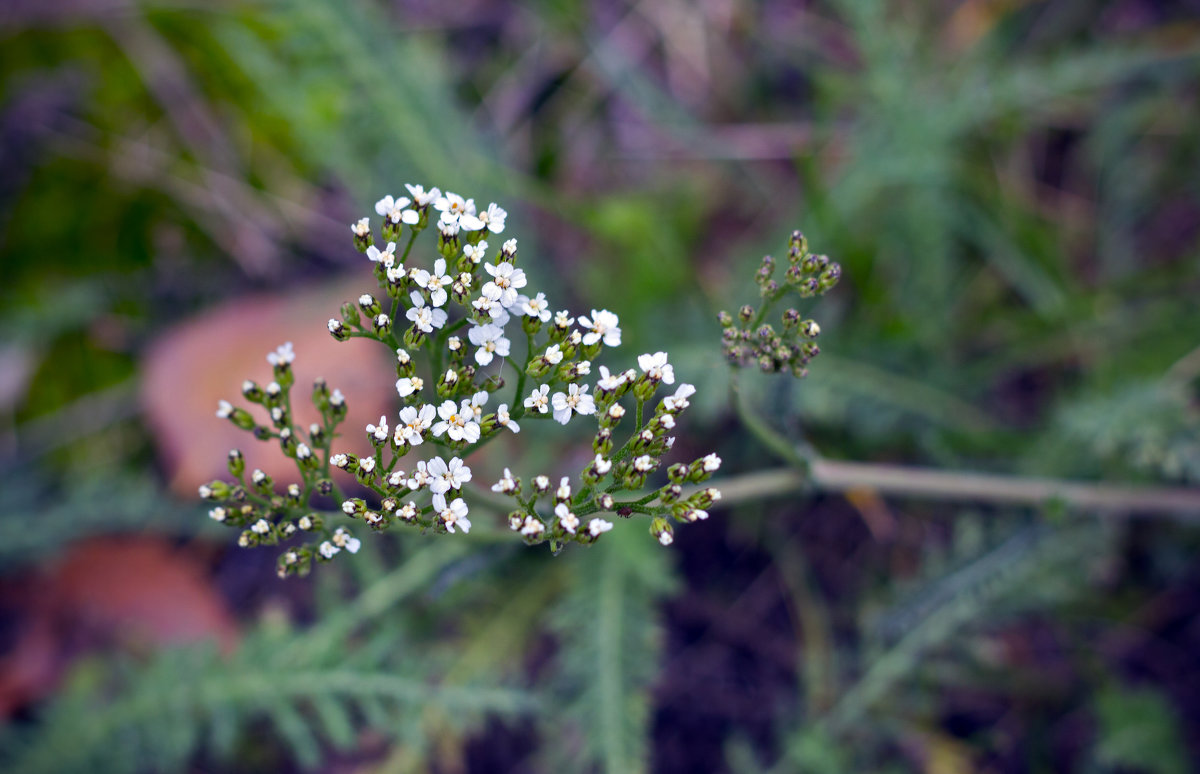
(1011, 187)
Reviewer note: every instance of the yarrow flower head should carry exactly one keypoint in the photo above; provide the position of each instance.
(457, 350)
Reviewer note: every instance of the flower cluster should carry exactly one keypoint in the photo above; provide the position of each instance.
(748, 339)
(457, 322)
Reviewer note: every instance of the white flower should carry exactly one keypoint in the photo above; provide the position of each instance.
(386, 256)
(408, 385)
(597, 527)
(219, 513)
(564, 489)
(420, 196)
(398, 478)
(493, 307)
(414, 424)
(362, 227)
(435, 282)
(334, 325)
(493, 218)
(448, 224)
(539, 400)
(475, 253)
(402, 357)
(328, 549)
(532, 527)
(506, 279)
(537, 307)
(506, 485)
(454, 204)
(395, 210)
(679, 400)
(282, 356)
(477, 402)
(610, 382)
(224, 409)
(453, 514)
(711, 463)
(339, 460)
(644, 464)
(657, 367)
(553, 354)
(509, 247)
(343, 539)
(575, 400)
(457, 422)
(603, 325)
(379, 432)
(490, 341)
(504, 419)
(542, 483)
(367, 464)
(602, 465)
(425, 318)
(666, 538)
(447, 476)
(408, 511)
(348, 507)
(420, 477)
(616, 411)
(568, 520)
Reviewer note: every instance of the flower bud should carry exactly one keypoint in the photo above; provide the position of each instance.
(605, 501)
(414, 338)
(338, 330)
(369, 305)
(746, 313)
(798, 242)
(662, 531)
(350, 315)
(670, 493)
(603, 442)
(251, 391)
(236, 463)
(311, 522)
(382, 324)
(725, 318)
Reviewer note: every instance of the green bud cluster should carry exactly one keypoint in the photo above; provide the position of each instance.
(748, 340)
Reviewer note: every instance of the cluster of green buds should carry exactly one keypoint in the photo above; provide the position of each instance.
(253, 503)
(461, 305)
(749, 339)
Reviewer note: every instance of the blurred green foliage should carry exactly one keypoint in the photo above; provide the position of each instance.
(1010, 187)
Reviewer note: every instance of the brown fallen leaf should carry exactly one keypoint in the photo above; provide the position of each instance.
(126, 592)
(191, 367)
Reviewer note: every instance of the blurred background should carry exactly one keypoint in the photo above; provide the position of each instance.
(1011, 186)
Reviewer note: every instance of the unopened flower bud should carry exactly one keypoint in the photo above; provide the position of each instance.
(746, 313)
(662, 531)
(236, 463)
(350, 315)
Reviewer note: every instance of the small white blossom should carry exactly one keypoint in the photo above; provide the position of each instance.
(282, 356)
(478, 401)
(509, 247)
(603, 326)
(610, 382)
(453, 204)
(413, 424)
(336, 398)
(448, 224)
(224, 409)
(475, 253)
(494, 309)
(420, 477)
(421, 197)
(362, 227)
(397, 479)
(447, 475)
(679, 400)
(328, 550)
(490, 341)
(367, 464)
(616, 411)
(576, 400)
(532, 527)
(402, 357)
(563, 320)
(537, 307)
(386, 256)
(542, 483)
(306, 523)
(711, 463)
(334, 325)
(504, 419)
(568, 520)
(303, 452)
(343, 539)
(396, 210)
(348, 507)
(506, 485)
(379, 432)
(457, 422)
(454, 514)
(219, 513)
(539, 399)
(425, 318)
(564, 489)
(454, 343)
(644, 464)
(408, 511)
(657, 367)
(597, 527)
(435, 283)
(553, 354)
(601, 464)
(493, 218)
(339, 460)
(506, 279)
(408, 385)
(665, 538)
